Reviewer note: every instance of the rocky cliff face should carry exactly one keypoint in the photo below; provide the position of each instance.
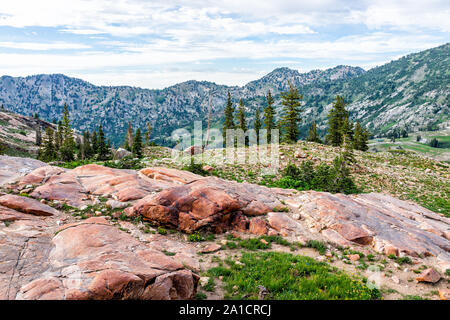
(18, 133)
(409, 92)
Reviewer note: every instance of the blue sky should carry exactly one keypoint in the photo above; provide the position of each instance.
(154, 44)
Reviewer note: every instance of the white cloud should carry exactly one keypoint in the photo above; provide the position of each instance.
(38, 46)
(145, 37)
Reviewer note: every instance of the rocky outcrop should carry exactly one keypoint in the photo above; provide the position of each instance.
(121, 153)
(76, 186)
(208, 203)
(170, 175)
(12, 168)
(377, 220)
(91, 259)
(94, 260)
(26, 205)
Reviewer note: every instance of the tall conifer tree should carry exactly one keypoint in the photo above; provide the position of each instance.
(269, 116)
(229, 118)
(337, 118)
(258, 124)
(291, 101)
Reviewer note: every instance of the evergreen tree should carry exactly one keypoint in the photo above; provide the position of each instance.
(269, 116)
(258, 124)
(229, 118)
(94, 143)
(137, 144)
(342, 181)
(347, 131)
(87, 147)
(279, 127)
(68, 146)
(291, 101)
(242, 122)
(313, 136)
(80, 148)
(336, 119)
(434, 143)
(348, 155)
(360, 138)
(102, 148)
(59, 136)
(47, 151)
(147, 134)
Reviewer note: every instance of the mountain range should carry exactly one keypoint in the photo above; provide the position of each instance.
(409, 93)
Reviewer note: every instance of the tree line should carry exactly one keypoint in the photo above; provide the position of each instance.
(63, 145)
(341, 131)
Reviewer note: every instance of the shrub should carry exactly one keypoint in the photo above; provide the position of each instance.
(318, 245)
(196, 168)
(196, 237)
(324, 178)
(162, 231)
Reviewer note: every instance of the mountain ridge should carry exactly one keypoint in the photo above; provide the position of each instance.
(179, 105)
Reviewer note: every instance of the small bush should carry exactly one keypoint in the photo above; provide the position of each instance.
(200, 296)
(162, 231)
(196, 237)
(318, 245)
(196, 168)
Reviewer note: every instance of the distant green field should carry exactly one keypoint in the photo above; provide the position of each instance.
(410, 143)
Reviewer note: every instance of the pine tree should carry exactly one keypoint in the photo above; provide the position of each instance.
(229, 118)
(47, 151)
(242, 122)
(342, 181)
(87, 147)
(68, 146)
(80, 148)
(147, 134)
(360, 138)
(336, 119)
(59, 136)
(102, 148)
(313, 136)
(258, 124)
(347, 131)
(279, 127)
(291, 101)
(269, 116)
(137, 144)
(94, 143)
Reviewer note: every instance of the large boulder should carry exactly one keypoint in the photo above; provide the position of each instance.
(91, 259)
(208, 203)
(75, 186)
(27, 205)
(378, 220)
(121, 153)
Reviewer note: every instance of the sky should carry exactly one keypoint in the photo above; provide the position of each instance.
(155, 44)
